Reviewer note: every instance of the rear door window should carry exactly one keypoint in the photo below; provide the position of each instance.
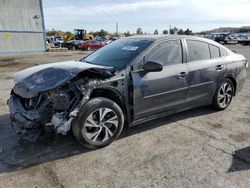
(198, 50)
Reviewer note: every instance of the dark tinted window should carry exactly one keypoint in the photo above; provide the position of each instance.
(198, 50)
(118, 53)
(215, 51)
(167, 53)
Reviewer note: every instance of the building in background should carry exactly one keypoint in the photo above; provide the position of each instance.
(22, 26)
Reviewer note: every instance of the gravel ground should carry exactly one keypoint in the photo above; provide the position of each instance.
(197, 148)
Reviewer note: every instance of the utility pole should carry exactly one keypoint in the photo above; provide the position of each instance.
(116, 25)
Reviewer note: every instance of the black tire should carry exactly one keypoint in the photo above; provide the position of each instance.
(217, 104)
(79, 126)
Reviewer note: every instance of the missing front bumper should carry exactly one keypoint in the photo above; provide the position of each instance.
(24, 123)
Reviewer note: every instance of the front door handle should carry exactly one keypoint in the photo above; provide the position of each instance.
(182, 75)
(219, 67)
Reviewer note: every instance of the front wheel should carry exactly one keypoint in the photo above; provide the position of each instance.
(99, 123)
(223, 95)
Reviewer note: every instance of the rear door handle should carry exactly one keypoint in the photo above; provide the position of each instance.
(182, 75)
(219, 67)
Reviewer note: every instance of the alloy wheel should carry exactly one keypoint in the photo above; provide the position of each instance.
(101, 125)
(225, 95)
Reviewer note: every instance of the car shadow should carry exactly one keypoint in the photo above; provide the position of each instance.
(241, 160)
(16, 154)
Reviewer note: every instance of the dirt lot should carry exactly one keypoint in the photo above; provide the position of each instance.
(197, 148)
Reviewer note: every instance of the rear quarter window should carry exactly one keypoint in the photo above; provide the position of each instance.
(215, 51)
(198, 50)
(223, 52)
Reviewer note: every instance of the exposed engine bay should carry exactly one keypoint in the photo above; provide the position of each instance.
(34, 108)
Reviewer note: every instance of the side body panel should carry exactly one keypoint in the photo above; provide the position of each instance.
(203, 79)
(150, 102)
(155, 92)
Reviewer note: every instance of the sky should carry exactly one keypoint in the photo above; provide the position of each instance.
(93, 15)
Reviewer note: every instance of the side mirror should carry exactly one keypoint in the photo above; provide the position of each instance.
(151, 66)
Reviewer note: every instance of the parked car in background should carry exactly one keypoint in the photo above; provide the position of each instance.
(223, 38)
(244, 40)
(73, 44)
(91, 45)
(102, 38)
(55, 41)
(127, 82)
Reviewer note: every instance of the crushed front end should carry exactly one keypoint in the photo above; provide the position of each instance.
(54, 109)
(49, 97)
(27, 115)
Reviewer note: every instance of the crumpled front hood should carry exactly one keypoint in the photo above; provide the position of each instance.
(45, 77)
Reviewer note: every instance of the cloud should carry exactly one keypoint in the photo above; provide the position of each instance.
(110, 9)
(149, 14)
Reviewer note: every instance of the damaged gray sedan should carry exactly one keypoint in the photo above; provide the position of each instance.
(129, 81)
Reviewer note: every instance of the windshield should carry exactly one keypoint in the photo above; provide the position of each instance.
(118, 53)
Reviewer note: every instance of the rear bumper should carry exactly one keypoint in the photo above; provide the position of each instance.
(241, 78)
(239, 86)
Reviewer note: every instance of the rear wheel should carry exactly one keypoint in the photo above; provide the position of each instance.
(99, 123)
(89, 48)
(223, 95)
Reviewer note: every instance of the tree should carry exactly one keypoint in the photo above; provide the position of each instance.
(173, 30)
(139, 31)
(202, 33)
(156, 32)
(55, 33)
(100, 33)
(188, 32)
(127, 34)
(180, 32)
(165, 32)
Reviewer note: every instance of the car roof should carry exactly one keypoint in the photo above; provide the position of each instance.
(159, 37)
(171, 37)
